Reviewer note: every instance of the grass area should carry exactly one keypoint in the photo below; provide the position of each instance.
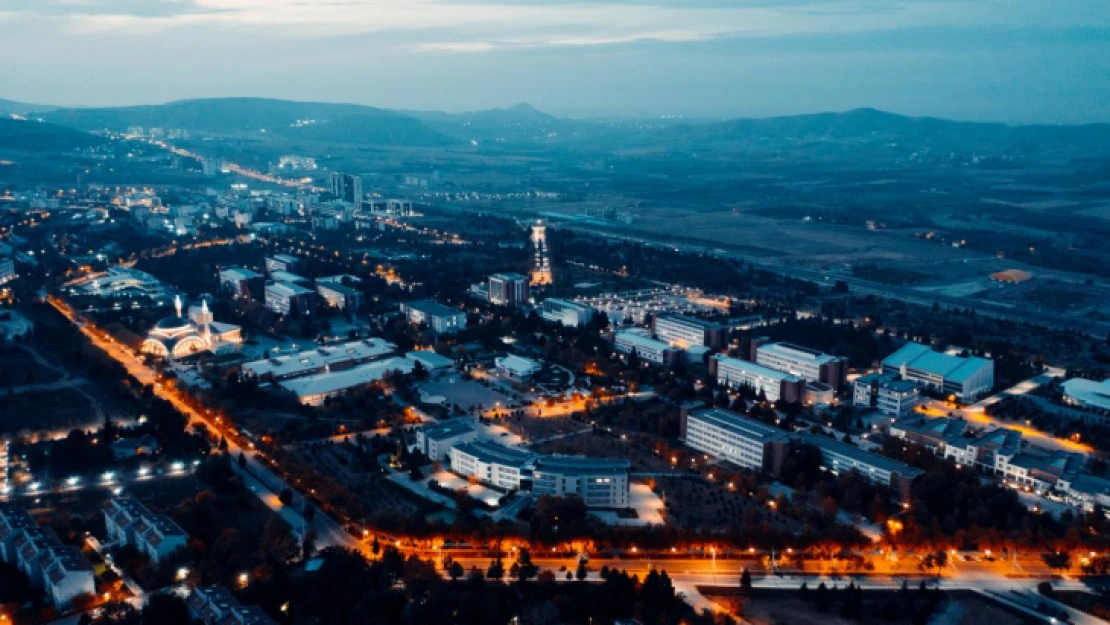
(18, 368)
(1049, 297)
(60, 409)
(890, 275)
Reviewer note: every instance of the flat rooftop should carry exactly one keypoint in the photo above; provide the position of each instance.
(755, 369)
(448, 428)
(311, 360)
(490, 452)
(431, 308)
(335, 381)
(581, 465)
(796, 352)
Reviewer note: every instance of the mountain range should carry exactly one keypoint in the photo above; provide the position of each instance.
(524, 126)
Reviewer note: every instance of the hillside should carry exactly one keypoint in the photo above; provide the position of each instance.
(40, 137)
(8, 107)
(351, 123)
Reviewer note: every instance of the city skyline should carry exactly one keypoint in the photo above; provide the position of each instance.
(988, 61)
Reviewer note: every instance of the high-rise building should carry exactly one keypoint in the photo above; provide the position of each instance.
(347, 187)
(541, 265)
(508, 289)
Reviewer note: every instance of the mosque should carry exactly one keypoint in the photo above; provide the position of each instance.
(177, 337)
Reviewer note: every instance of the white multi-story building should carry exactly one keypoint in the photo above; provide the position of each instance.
(646, 348)
(436, 440)
(490, 462)
(807, 364)
(838, 457)
(13, 520)
(30, 545)
(730, 436)
(128, 522)
(215, 605)
(684, 332)
(241, 283)
(775, 385)
(67, 574)
(966, 378)
(339, 296)
(288, 298)
(508, 289)
(566, 312)
(897, 398)
(322, 359)
(7, 270)
(439, 318)
(600, 482)
(282, 262)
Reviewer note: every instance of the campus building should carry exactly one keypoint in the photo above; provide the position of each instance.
(490, 462)
(1087, 394)
(508, 289)
(322, 359)
(335, 294)
(517, 368)
(566, 312)
(684, 331)
(439, 318)
(808, 364)
(838, 457)
(600, 482)
(436, 440)
(775, 385)
(967, 378)
(282, 262)
(646, 348)
(887, 393)
(739, 439)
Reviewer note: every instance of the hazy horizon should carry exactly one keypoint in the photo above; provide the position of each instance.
(1013, 61)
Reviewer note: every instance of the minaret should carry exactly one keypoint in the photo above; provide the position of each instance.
(177, 304)
(541, 264)
(207, 321)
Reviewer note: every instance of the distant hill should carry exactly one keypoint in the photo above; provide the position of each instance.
(37, 136)
(863, 127)
(8, 107)
(518, 124)
(351, 123)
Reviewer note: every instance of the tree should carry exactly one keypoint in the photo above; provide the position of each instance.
(581, 573)
(375, 547)
(803, 592)
(309, 513)
(823, 597)
(496, 570)
(455, 571)
(745, 580)
(242, 460)
(166, 609)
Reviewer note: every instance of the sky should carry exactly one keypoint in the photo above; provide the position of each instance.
(995, 60)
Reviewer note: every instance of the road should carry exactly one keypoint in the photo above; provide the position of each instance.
(258, 477)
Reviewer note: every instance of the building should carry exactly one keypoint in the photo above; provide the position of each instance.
(314, 390)
(128, 522)
(566, 312)
(339, 296)
(808, 364)
(541, 263)
(685, 332)
(347, 188)
(66, 575)
(289, 277)
(436, 440)
(600, 482)
(242, 283)
(775, 385)
(7, 269)
(431, 361)
(490, 463)
(1087, 394)
(282, 262)
(838, 457)
(865, 389)
(29, 546)
(176, 337)
(646, 348)
(288, 298)
(131, 447)
(1085, 492)
(439, 318)
(966, 378)
(13, 520)
(508, 289)
(516, 367)
(328, 358)
(896, 398)
(733, 437)
(215, 605)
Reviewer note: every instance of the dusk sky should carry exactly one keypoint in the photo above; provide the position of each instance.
(1005, 60)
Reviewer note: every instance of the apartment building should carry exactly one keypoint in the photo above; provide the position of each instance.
(128, 522)
(215, 605)
(242, 283)
(13, 520)
(339, 296)
(290, 299)
(508, 289)
(282, 262)
(66, 575)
